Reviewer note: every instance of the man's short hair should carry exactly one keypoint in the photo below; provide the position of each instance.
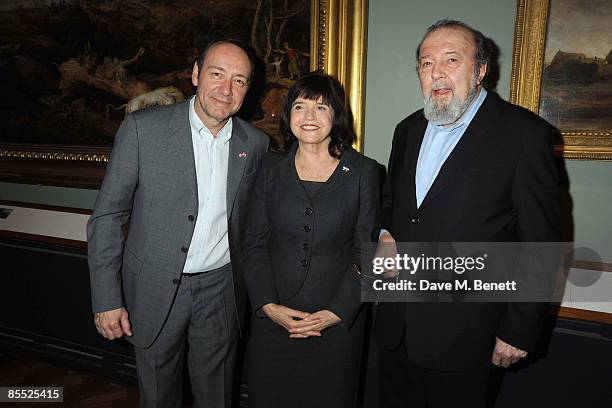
(233, 41)
(482, 55)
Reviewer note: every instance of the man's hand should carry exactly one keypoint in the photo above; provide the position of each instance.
(505, 354)
(113, 324)
(294, 321)
(325, 318)
(387, 248)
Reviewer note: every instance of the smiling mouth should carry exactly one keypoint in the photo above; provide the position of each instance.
(309, 127)
(221, 101)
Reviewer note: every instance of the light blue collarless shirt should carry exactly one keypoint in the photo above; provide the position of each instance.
(438, 143)
(209, 248)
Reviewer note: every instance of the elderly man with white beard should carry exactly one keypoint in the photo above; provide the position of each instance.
(469, 167)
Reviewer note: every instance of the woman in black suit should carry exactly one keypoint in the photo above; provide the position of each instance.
(312, 208)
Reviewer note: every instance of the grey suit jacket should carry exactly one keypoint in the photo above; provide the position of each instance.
(150, 188)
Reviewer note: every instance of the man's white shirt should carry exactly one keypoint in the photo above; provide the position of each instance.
(209, 248)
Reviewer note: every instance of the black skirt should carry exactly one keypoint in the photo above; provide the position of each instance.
(314, 372)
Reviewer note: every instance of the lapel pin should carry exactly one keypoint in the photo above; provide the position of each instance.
(344, 168)
(242, 155)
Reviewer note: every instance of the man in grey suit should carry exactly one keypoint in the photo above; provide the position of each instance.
(179, 179)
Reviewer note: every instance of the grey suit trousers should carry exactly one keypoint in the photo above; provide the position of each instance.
(204, 313)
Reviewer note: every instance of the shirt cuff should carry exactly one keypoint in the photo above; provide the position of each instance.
(383, 231)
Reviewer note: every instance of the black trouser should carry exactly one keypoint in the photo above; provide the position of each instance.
(405, 385)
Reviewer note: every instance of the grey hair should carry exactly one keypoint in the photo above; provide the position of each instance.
(482, 56)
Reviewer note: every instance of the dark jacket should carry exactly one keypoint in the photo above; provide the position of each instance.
(300, 250)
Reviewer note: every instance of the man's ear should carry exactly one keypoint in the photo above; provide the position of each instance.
(195, 74)
(482, 72)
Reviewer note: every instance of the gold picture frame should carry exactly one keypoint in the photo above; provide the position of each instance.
(526, 80)
(338, 43)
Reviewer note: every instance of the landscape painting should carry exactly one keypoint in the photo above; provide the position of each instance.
(72, 69)
(576, 90)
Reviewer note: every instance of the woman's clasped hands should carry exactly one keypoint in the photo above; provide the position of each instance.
(300, 325)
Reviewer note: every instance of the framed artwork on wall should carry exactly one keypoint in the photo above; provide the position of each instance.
(76, 68)
(562, 70)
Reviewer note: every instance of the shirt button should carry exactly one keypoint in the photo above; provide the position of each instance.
(415, 220)
(307, 228)
(304, 262)
(305, 246)
(191, 218)
(184, 250)
(175, 281)
(308, 211)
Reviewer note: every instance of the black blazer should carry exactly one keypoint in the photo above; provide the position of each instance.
(300, 250)
(499, 184)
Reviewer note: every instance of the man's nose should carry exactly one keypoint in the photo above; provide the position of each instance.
(226, 87)
(437, 72)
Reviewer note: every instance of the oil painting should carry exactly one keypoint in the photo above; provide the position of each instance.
(562, 70)
(73, 69)
(577, 77)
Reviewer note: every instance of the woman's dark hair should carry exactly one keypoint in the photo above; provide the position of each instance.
(313, 86)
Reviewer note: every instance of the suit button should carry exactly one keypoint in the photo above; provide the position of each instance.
(305, 246)
(307, 228)
(176, 281)
(308, 211)
(184, 250)
(415, 220)
(191, 218)
(304, 262)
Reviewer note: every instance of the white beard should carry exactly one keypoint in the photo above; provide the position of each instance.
(438, 113)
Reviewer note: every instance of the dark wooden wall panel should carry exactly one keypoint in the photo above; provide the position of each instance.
(45, 309)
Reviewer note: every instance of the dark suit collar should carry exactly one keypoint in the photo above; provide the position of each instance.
(411, 156)
(468, 146)
(293, 183)
(348, 166)
(239, 154)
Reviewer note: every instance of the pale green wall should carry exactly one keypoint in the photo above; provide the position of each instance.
(394, 29)
(591, 192)
(60, 196)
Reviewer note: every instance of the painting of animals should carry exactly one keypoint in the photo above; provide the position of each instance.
(72, 69)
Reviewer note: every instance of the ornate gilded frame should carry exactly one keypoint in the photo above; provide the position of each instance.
(338, 43)
(527, 64)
